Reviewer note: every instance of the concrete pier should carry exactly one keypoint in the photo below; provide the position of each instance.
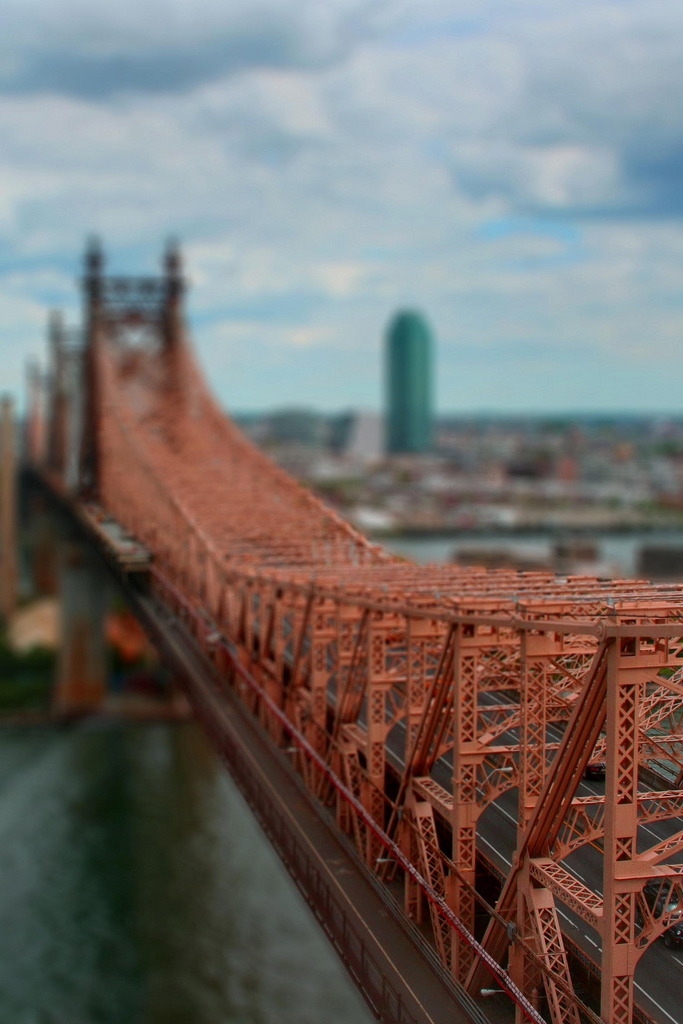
(81, 675)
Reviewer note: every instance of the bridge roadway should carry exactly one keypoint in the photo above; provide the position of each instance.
(660, 975)
(659, 980)
(661, 969)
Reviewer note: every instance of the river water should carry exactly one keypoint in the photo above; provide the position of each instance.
(617, 551)
(137, 889)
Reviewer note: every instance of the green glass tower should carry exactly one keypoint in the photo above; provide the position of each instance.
(409, 384)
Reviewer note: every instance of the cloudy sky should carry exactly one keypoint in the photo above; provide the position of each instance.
(513, 168)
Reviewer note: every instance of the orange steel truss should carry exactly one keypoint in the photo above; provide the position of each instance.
(431, 693)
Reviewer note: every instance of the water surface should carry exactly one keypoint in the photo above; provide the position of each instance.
(136, 888)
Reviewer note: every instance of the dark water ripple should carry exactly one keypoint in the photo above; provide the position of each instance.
(135, 888)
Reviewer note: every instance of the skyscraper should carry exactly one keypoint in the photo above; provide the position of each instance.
(409, 383)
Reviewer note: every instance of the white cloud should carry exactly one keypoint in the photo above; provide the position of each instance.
(340, 279)
(352, 157)
(306, 337)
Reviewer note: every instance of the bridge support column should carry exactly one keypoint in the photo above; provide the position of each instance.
(541, 928)
(537, 651)
(81, 672)
(626, 679)
(432, 868)
(43, 554)
(482, 769)
(522, 969)
(323, 633)
(379, 683)
(465, 807)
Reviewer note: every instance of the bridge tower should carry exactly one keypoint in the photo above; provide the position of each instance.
(8, 512)
(57, 442)
(174, 291)
(93, 289)
(137, 317)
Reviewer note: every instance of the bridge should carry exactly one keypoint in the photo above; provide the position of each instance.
(416, 741)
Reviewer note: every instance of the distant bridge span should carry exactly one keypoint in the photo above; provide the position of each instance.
(412, 702)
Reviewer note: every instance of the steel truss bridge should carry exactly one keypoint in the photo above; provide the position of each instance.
(434, 719)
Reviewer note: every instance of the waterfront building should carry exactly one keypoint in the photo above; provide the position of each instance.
(409, 384)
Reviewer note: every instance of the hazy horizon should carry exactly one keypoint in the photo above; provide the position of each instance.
(468, 414)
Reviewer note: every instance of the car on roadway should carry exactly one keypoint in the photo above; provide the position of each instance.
(661, 900)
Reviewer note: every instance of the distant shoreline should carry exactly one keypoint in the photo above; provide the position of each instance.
(530, 530)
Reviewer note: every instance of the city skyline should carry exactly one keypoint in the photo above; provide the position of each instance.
(512, 169)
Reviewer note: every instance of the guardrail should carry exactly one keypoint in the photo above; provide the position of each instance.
(384, 1000)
